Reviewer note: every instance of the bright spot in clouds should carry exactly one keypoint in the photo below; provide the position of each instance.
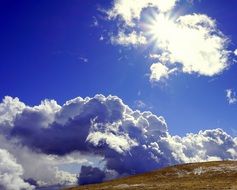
(191, 41)
(190, 44)
(235, 52)
(130, 10)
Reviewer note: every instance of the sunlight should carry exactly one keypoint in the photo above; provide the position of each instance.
(160, 28)
(188, 40)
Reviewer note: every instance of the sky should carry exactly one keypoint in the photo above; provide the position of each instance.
(174, 58)
(44, 45)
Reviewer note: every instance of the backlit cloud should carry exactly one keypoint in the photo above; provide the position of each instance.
(130, 11)
(190, 43)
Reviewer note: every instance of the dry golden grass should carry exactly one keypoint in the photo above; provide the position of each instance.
(197, 176)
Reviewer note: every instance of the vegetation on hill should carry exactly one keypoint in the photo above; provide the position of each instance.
(197, 176)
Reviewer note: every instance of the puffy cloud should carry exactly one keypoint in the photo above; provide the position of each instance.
(160, 71)
(231, 96)
(110, 135)
(10, 173)
(47, 166)
(131, 10)
(207, 145)
(9, 108)
(104, 130)
(190, 43)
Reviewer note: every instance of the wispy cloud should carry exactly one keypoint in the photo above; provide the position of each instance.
(132, 38)
(84, 59)
(231, 96)
(95, 22)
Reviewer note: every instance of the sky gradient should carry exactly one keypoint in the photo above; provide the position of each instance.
(43, 45)
(60, 50)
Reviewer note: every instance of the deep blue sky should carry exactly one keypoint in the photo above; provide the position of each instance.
(42, 43)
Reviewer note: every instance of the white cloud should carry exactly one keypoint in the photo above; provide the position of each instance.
(110, 135)
(231, 96)
(11, 172)
(132, 9)
(101, 132)
(193, 42)
(47, 166)
(160, 71)
(9, 108)
(190, 43)
(154, 56)
(132, 38)
(235, 52)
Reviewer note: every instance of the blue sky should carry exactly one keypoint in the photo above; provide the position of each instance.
(43, 45)
(175, 60)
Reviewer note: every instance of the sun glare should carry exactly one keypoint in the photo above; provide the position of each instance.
(159, 28)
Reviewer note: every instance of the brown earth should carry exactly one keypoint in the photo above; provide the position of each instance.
(198, 176)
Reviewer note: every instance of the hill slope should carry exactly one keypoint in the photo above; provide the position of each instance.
(201, 176)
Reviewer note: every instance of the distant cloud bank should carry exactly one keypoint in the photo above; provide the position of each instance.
(102, 135)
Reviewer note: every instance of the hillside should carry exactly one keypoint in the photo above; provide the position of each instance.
(202, 176)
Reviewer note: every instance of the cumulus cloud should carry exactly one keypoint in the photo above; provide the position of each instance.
(231, 96)
(131, 10)
(193, 42)
(9, 108)
(47, 166)
(122, 141)
(10, 173)
(190, 43)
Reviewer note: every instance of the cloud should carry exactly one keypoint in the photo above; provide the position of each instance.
(47, 166)
(140, 104)
(132, 38)
(231, 96)
(9, 108)
(10, 173)
(109, 135)
(95, 22)
(129, 11)
(160, 71)
(193, 42)
(190, 43)
(235, 52)
(90, 175)
(83, 59)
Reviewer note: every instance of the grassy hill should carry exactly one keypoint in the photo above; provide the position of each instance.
(202, 176)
